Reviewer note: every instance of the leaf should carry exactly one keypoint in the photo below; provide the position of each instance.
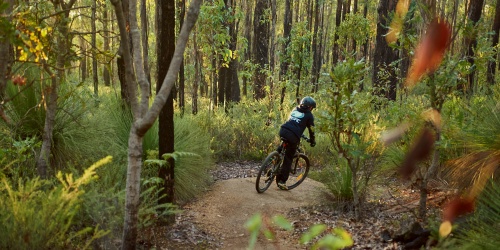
(430, 51)
(312, 233)
(457, 207)
(420, 150)
(282, 222)
(445, 229)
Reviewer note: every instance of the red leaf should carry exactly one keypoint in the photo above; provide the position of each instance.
(420, 150)
(457, 207)
(430, 51)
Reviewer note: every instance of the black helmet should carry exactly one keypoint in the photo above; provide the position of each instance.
(308, 102)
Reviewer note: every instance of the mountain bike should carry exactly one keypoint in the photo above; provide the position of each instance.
(271, 167)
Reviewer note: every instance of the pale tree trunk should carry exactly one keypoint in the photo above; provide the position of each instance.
(144, 118)
(6, 50)
(62, 46)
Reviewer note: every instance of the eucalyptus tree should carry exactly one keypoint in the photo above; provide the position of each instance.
(261, 47)
(384, 76)
(95, 76)
(62, 43)
(228, 71)
(106, 76)
(492, 64)
(473, 15)
(143, 114)
(165, 46)
(285, 60)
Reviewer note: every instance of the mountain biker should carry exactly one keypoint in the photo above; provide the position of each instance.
(300, 119)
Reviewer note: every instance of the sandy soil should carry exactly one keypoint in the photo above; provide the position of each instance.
(225, 209)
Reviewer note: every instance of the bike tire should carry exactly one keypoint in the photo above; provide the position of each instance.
(299, 171)
(266, 176)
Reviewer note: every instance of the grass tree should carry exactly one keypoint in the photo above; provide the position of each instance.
(144, 115)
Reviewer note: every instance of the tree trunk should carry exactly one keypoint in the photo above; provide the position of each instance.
(197, 76)
(83, 61)
(145, 40)
(248, 36)
(62, 45)
(338, 20)
(260, 47)
(120, 62)
(182, 104)
(144, 118)
(165, 19)
(233, 85)
(473, 16)
(316, 63)
(6, 50)
(107, 66)
(285, 63)
(95, 77)
(384, 55)
(494, 42)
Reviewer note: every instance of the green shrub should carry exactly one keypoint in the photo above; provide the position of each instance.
(35, 214)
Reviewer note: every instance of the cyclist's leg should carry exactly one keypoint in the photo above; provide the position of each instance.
(287, 162)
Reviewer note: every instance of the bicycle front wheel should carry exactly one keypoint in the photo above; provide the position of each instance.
(299, 171)
(266, 173)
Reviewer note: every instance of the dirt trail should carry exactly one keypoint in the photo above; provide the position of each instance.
(224, 210)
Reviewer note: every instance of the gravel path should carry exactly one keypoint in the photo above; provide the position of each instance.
(216, 220)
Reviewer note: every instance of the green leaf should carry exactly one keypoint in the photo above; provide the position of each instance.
(282, 222)
(313, 232)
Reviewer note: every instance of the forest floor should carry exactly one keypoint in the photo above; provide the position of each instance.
(216, 220)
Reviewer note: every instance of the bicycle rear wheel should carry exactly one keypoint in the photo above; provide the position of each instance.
(266, 174)
(299, 171)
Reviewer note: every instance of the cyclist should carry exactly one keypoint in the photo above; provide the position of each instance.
(300, 119)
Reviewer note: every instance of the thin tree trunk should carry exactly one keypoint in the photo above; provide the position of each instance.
(338, 19)
(95, 78)
(83, 61)
(287, 29)
(316, 63)
(197, 77)
(492, 65)
(145, 40)
(182, 104)
(106, 67)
